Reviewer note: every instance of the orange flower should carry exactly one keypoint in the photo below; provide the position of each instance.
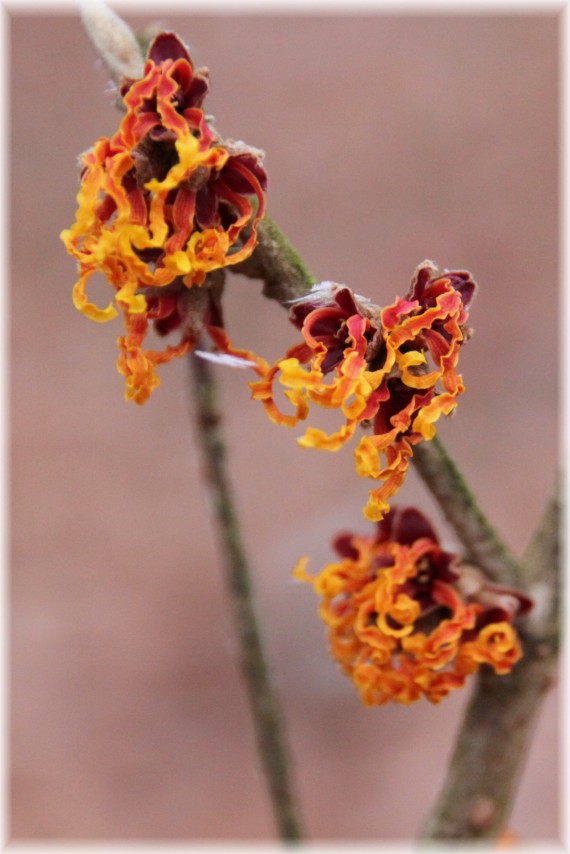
(162, 203)
(405, 620)
(394, 368)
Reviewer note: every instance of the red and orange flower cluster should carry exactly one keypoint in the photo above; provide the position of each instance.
(393, 368)
(162, 203)
(406, 620)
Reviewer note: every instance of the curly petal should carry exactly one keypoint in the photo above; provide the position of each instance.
(162, 203)
(397, 621)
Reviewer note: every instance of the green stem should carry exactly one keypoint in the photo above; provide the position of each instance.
(268, 722)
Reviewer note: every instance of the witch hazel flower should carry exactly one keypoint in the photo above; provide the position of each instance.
(405, 619)
(391, 369)
(425, 331)
(162, 203)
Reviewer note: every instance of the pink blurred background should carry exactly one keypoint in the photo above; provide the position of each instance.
(390, 138)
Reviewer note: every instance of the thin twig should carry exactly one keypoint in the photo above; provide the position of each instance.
(123, 55)
(268, 722)
(278, 264)
(484, 546)
(541, 558)
(496, 733)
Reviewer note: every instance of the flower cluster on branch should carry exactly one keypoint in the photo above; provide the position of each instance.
(405, 619)
(394, 369)
(162, 203)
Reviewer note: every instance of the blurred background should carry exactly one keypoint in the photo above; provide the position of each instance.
(389, 138)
